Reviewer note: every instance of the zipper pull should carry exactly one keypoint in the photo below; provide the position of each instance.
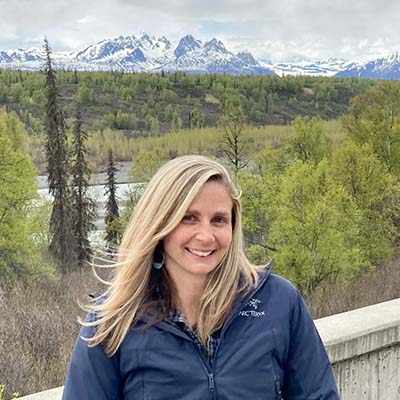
(211, 382)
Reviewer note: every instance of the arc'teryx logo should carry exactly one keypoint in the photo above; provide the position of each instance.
(254, 312)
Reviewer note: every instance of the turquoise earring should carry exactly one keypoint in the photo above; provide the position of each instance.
(158, 260)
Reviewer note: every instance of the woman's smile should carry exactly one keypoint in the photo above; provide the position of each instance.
(200, 253)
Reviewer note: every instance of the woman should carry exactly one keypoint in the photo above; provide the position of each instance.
(187, 316)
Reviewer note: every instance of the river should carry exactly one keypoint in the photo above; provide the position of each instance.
(97, 193)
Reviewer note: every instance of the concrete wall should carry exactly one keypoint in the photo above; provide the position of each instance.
(363, 346)
(53, 394)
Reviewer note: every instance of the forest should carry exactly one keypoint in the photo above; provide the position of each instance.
(142, 105)
(317, 160)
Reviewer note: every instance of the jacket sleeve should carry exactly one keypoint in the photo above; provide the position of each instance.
(92, 375)
(308, 373)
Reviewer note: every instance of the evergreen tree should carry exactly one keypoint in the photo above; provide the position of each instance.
(196, 117)
(112, 210)
(84, 206)
(176, 122)
(62, 242)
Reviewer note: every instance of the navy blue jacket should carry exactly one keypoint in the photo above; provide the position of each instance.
(269, 349)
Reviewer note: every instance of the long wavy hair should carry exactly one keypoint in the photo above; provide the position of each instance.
(130, 298)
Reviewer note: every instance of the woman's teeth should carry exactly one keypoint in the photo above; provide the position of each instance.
(200, 253)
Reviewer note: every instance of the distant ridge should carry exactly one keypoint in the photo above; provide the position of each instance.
(145, 53)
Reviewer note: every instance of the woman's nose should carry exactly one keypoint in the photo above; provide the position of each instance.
(205, 233)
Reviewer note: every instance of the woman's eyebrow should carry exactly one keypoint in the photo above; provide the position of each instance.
(222, 213)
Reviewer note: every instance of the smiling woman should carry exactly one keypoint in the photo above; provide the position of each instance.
(187, 316)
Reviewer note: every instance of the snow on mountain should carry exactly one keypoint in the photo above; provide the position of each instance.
(145, 53)
(193, 56)
(186, 45)
(21, 55)
(5, 58)
(125, 52)
(381, 68)
(215, 46)
(327, 67)
(247, 58)
(16, 58)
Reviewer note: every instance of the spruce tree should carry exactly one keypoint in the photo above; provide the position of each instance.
(62, 242)
(83, 205)
(112, 210)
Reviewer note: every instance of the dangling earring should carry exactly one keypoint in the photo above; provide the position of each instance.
(158, 259)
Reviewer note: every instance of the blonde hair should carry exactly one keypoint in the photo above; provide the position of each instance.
(160, 209)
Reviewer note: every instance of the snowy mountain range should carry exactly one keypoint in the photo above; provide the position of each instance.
(144, 53)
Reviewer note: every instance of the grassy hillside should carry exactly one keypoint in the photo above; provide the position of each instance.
(150, 104)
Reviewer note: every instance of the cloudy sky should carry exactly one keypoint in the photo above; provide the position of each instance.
(281, 30)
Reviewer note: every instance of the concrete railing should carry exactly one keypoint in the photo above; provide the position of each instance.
(52, 394)
(363, 346)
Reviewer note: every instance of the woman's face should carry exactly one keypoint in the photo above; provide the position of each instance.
(198, 244)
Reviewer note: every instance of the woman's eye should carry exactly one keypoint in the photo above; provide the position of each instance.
(188, 217)
(220, 220)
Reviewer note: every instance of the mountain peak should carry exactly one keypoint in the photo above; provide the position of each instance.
(215, 44)
(187, 44)
(145, 39)
(146, 53)
(394, 57)
(247, 57)
(164, 40)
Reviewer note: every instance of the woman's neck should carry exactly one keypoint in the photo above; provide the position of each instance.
(188, 297)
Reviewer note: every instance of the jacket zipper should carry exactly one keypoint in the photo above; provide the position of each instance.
(200, 356)
(236, 310)
(208, 371)
(211, 382)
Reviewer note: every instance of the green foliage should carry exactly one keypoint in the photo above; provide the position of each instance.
(197, 118)
(176, 122)
(169, 113)
(132, 198)
(86, 95)
(121, 120)
(316, 229)
(20, 257)
(309, 142)
(15, 395)
(376, 194)
(100, 141)
(257, 214)
(146, 162)
(322, 221)
(154, 126)
(169, 96)
(374, 118)
(39, 219)
(259, 187)
(62, 241)
(83, 205)
(16, 91)
(113, 224)
(265, 99)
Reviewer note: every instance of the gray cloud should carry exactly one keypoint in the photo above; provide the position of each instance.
(279, 29)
